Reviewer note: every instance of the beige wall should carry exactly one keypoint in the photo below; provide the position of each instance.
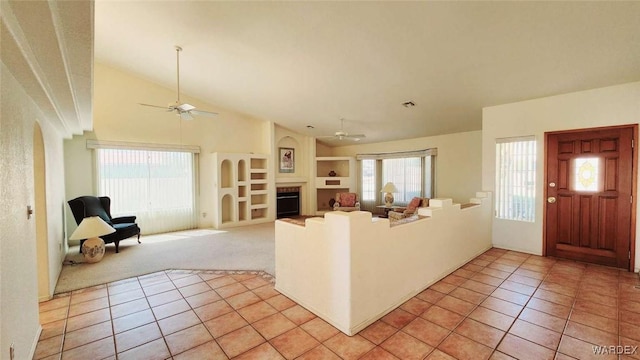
(18, 258)
(615, 105)
(118, 117)
(458, 164)
(304, 174)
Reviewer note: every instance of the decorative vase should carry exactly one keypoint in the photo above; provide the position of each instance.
(93, 250)
(332, 173)
(388, 199)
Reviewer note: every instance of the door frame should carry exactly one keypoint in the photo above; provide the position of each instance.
(634, 186)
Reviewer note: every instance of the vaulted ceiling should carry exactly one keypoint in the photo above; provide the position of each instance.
(313, 63)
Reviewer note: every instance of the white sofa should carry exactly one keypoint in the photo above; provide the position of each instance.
(351, 269)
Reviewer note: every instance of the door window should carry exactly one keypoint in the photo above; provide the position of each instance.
(586, 174)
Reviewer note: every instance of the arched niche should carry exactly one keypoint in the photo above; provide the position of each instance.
(226, 174)
(290, 142)
(226, 208)
(242, 170)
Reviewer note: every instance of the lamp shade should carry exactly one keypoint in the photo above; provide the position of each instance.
(91, 227)
(389, 188)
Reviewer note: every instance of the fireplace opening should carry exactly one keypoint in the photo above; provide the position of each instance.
(287, 202)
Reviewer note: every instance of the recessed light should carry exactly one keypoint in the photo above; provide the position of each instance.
(408, 104)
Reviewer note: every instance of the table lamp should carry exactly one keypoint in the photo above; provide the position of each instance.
(388, 189)
(90, 228)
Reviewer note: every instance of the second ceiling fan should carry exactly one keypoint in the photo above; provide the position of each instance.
(184, 110)
(341, 134)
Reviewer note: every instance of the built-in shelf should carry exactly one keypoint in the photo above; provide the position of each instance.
(241, 190)
(327, 186)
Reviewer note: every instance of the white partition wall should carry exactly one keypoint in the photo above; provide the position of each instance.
(351, 269)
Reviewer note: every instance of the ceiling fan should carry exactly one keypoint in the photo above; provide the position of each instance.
(341, 134)
(184, 110)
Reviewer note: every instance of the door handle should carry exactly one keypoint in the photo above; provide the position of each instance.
(551, 199)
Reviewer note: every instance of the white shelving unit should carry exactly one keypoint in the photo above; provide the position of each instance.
(327, 186)
(241, 190)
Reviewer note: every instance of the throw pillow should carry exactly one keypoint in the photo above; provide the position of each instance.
(347, 199)
(413, 205)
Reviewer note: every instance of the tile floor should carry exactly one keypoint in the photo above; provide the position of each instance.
(501, 305)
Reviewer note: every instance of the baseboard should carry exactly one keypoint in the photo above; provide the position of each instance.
(510, 248)
(34, 345)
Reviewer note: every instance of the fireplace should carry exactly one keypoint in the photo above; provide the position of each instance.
(287, 201)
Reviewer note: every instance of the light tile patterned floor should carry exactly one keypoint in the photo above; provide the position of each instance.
(503, 304)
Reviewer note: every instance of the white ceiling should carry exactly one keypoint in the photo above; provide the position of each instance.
(312, 63)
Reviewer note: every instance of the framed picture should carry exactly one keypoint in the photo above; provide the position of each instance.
(287, 160)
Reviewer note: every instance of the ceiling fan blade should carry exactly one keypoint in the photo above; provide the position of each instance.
(356, 136)
(157, 106)
(204, 113)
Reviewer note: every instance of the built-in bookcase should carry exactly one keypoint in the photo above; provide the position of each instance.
(241, 190)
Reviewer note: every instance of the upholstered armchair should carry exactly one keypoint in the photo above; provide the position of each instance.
(411, 209)
(85, 206)
(346, 202)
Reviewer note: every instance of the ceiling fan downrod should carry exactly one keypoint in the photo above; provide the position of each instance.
(178, 49)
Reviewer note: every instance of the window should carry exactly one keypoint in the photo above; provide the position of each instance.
(158, 186)
(586, 174)
(516, 179)
(406, 175)
(411, 172)
(368, 185)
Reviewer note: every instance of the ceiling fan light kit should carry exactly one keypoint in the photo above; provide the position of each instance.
(183, 110)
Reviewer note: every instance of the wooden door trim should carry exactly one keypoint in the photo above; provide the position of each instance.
(634, 186)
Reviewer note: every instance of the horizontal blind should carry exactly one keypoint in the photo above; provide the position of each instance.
(515, 179)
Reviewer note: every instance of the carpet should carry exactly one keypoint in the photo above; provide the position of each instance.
(241, 248)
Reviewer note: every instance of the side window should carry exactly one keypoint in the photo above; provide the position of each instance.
(516, 179)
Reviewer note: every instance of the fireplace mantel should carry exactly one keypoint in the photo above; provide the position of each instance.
(285, 181)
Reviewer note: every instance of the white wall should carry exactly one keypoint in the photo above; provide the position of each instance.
(18, 266)
(609, 106)
(118, 117)
(458, 163)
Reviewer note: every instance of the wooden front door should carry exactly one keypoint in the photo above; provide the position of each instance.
(589, 202)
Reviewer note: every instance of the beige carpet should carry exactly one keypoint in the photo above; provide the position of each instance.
(241, 248)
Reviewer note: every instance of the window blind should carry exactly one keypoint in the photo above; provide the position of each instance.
(156, 186)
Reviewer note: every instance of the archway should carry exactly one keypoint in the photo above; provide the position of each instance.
(40, 212)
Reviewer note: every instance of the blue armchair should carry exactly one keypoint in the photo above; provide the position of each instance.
(85, 206)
